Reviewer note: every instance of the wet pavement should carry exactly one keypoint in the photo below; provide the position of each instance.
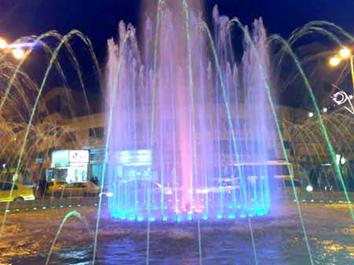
(278, 238)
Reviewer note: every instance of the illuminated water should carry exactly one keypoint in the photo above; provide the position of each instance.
(279, 240)
(189, 135)
(190, 131)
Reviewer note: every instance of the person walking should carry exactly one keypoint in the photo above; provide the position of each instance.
(42, 186)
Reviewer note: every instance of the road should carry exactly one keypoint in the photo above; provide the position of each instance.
(50, 203)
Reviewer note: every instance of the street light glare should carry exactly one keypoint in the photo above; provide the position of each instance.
(18, 54)
(345, 53)
(310, 114)
(3, 43)
(309, 188)
(334, 61)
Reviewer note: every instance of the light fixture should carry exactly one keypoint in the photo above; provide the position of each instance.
(310, 114)
(309, 188)
(345, 53)
(18, 53)
(343, 160)
(340, 160)
(334, 61)
(3, 43)
(324, 110)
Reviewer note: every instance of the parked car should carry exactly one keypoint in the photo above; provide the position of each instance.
(19, 193)
(53, 186)
(76, 189)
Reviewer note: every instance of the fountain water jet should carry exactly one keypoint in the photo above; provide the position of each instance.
(190, 136)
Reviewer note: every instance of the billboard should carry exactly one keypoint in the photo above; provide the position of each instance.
(142, 157)
(79, 156)
(60, 158)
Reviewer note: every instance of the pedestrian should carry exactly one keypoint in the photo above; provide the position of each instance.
(94, 180)
(42, 186)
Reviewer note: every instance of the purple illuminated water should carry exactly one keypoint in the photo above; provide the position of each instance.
(189, 133)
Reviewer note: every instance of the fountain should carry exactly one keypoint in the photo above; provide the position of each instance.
(191, 131)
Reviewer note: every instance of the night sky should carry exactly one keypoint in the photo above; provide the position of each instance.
(99, 18)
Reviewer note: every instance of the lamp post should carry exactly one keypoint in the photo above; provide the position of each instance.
(344, 54)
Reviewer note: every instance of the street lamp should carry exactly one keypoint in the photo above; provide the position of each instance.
(340, 160)
(18, 53)
(17, 49)
(334, 61)
(343, 54)
(3, 44)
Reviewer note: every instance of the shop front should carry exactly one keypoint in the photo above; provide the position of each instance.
(69, 166)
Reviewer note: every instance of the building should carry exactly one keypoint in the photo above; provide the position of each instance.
(89, 132)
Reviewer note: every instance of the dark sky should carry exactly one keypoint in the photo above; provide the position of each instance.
(98, 18)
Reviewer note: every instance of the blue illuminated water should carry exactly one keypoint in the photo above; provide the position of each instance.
(185, 142)
(278, 237)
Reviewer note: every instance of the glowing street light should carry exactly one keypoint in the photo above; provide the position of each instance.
(334, 61)
(343, 54)
(3, 44)
(340, 160)
(324, 110)
(309, 188)
(311, 114)
(18, 54)
(17, 49)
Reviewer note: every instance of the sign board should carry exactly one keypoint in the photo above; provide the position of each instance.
(64, 158)
(60, 158)
(79, 156)
(134, 157)
(39, 160)
(77, 174)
